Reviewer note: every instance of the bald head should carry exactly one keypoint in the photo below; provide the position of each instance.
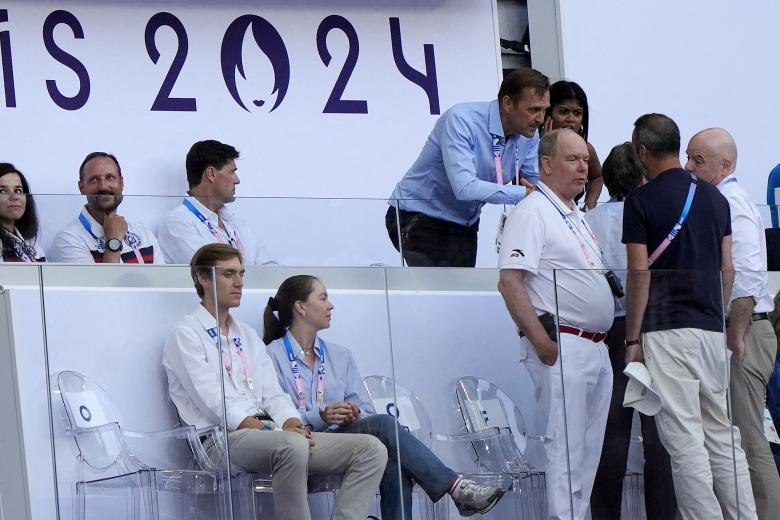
(712, 155)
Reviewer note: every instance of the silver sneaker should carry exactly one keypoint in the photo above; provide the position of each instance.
(472, 498)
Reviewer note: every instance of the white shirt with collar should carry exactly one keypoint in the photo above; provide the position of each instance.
(76, 244)
(193, 363)
(183, 233)
(537, 239)
(748, 246)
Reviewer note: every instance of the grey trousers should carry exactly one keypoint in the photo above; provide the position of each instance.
(748, 397)
(359, 458)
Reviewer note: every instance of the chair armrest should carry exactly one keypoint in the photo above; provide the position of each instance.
(85, 439)
(183, 432)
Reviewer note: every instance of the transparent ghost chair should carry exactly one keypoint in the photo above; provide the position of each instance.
(136, 466)
(393, 399)
(489, 411)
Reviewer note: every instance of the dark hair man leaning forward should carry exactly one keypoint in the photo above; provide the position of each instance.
(472, 153)
(552, 265)
(712, 157)
(265, 432)
(674, 320)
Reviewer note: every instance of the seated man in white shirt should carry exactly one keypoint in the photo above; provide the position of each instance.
(100, 234)
(203, 217)
(265, 433)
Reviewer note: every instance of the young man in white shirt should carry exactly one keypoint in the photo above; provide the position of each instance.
(203, 217)
(554, 286)
(101, 234)
(265, 433)
(712, 157)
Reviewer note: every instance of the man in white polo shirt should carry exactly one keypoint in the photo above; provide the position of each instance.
(100, 234)
(712, 156)
(553, 272)
(203, 217)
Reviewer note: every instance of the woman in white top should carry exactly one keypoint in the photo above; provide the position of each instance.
(18, 218)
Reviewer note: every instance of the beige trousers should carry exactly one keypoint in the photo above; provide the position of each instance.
(748, 397)
(359, 458)
(689, 371)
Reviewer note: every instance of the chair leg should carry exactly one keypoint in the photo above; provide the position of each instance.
(149, 491)
(135, 503)
(80, 502)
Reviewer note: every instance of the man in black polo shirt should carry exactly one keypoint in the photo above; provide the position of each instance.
(678, 306)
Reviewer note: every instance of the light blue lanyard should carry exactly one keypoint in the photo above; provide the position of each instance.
(676, 229)
(233, 241)
(296, 372)
(85, 222)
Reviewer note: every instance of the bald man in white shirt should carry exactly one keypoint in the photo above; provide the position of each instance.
(712, 157)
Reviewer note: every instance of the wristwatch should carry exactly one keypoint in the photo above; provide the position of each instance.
(632, 342)
(114, 245)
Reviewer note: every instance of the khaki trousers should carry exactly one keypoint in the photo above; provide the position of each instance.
(359, 458)
(689, 371)
(748, 397)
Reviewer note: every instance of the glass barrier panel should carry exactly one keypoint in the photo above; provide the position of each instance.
(356, 349)
(126, 431)
(337, 232)
(455, 354)
(27, 486)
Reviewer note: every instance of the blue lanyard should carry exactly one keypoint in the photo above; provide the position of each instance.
(85, 222)
(296, 372)
(676, 228)
(733, 179)
(233, 241)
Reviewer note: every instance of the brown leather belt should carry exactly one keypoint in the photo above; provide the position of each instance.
(595, 337)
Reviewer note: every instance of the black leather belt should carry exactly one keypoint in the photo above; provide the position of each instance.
(756, 316)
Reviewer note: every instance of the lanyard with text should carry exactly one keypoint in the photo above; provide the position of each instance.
(296, 372)
(498, 155)
(578, 234)
(101, 244)
(229, 364)
(676, 229)
(233, 241)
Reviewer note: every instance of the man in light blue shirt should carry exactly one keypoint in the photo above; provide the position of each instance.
(472, 155)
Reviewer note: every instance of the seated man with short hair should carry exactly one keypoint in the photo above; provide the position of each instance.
(204, 217)
(199, 351)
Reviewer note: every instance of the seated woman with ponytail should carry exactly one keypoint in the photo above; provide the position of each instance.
(338, 402)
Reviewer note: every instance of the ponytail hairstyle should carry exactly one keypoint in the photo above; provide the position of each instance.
(278, 313)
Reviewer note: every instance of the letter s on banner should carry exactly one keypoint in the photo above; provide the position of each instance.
(81, 97)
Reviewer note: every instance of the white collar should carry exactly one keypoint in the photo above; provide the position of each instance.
(224, 213)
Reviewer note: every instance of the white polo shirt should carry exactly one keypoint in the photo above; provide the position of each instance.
(23, 250)
(538, 240)
(193, 363)
(83, 242)
(748, 246)
(183, 232)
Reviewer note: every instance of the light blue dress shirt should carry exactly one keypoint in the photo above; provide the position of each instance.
(342, 379)
(455, 174)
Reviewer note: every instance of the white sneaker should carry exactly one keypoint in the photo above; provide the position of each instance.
(472, 498)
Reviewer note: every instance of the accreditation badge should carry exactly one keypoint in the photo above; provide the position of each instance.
(501, 224)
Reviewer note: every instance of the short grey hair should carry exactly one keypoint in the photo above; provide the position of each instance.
(548, 146)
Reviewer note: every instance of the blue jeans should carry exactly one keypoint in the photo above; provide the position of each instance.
(773, 404)
(417, 464)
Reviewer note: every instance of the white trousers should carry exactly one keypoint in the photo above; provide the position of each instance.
(689, 371)
(583, 375)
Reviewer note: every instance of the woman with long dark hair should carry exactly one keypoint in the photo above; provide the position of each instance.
(569, 109)
(18, 218)
(323, 381)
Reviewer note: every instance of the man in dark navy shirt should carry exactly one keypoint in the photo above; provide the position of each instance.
(678, 308)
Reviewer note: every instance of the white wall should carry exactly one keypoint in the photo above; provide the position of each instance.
(704, 63)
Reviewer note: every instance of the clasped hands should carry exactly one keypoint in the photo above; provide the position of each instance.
(340, 413)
